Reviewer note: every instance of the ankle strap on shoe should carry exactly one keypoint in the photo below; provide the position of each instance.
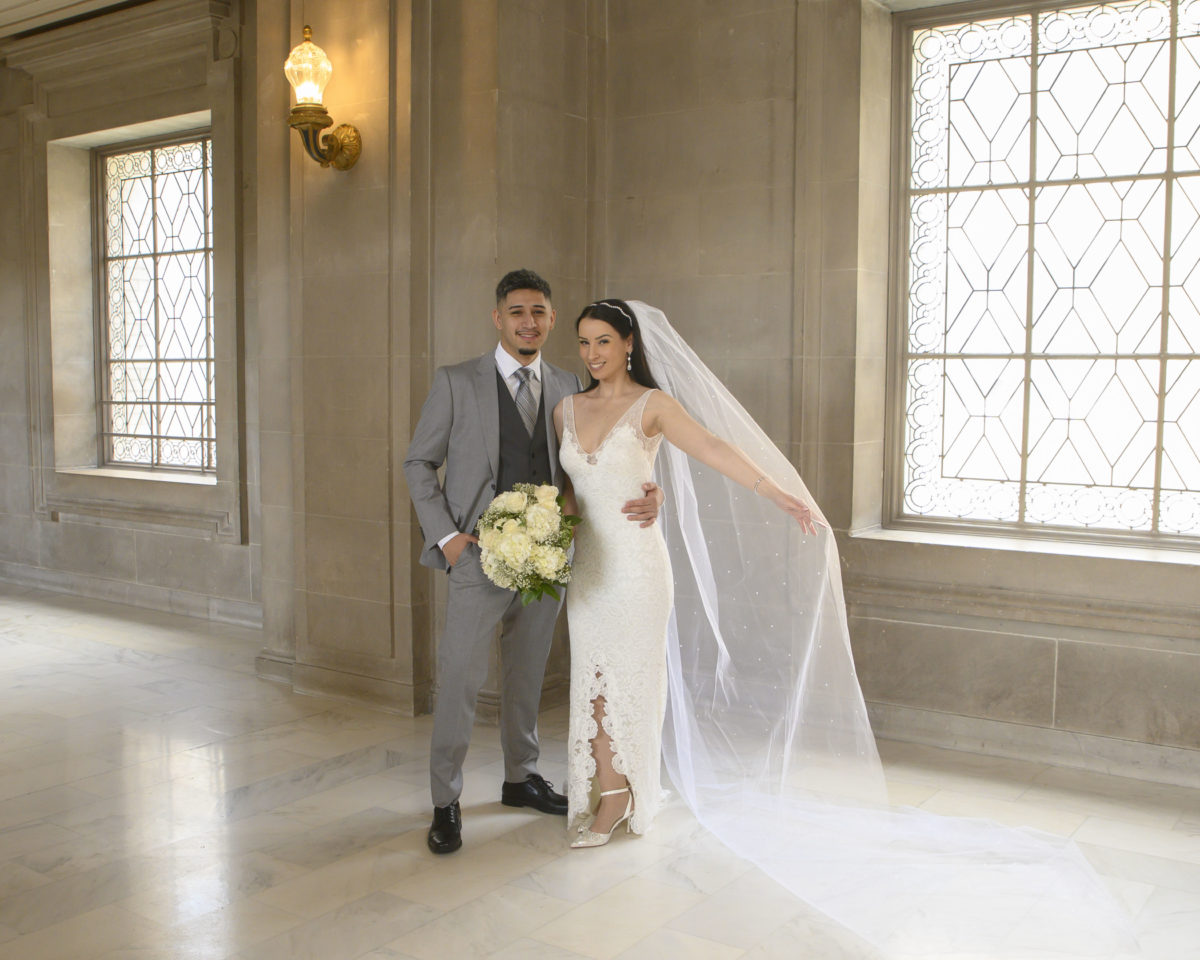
(609, 793)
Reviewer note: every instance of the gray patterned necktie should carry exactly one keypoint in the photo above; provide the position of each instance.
(524, 397)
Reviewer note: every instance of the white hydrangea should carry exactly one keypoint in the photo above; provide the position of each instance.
(515, 547)
(497, 571)
(541, 521)
(548, 562)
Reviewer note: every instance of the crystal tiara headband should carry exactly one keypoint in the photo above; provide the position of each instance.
(618, 308)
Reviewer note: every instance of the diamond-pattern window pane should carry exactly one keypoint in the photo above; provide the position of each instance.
(1181, 427)
(1053, 327)
(1101, 112)
(1183, 322)
(128, 191)
(1187, 104)
(970, 103)
(958, 444)
(1092, 422)
(158, 247)
(1098, 270)
(986, 271)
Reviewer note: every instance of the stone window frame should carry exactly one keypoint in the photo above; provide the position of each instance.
(194, 46)
(896, 523)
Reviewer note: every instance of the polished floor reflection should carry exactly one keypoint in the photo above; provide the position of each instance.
(159, 802)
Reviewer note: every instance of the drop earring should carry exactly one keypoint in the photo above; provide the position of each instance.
(629, 362)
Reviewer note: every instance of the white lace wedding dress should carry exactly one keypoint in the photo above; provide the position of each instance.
(618, 606)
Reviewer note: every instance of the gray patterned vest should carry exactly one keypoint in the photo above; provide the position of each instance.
(523, 459)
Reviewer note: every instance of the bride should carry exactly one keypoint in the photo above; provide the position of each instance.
(720, 646)
(608, 441)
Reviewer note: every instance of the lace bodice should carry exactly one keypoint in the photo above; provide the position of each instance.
(623, 461)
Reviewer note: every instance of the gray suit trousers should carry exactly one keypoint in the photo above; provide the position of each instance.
(474, 608)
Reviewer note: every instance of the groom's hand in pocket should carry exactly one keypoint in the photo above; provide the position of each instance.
(643, 511)
(454, 547)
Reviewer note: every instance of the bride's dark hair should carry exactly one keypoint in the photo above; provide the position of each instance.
(619, 315)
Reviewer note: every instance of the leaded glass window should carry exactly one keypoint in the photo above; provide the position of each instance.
(1052, 318)
(158, 404)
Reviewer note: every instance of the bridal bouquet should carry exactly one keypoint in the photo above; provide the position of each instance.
(523, 540)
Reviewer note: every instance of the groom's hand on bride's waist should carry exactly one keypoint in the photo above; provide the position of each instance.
(644, 511)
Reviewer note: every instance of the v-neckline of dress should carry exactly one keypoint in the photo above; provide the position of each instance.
(591, 456)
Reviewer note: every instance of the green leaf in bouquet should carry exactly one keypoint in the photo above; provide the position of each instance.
(536, 593)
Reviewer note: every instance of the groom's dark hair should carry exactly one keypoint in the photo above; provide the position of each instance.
(521, 280)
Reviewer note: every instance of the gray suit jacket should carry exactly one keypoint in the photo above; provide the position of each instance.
(460, 427)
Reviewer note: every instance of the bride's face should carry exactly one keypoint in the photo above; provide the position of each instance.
(602, 349)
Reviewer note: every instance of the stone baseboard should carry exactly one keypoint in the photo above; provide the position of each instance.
(269, 666)
(388, 695)
(241, 613)
(1120, 758)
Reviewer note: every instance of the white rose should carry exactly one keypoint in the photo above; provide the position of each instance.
(514, 501)
(547, 493)
(488, 537)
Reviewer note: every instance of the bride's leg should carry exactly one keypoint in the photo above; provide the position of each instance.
(611, 808)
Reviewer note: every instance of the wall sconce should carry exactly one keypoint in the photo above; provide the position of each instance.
(308, 70)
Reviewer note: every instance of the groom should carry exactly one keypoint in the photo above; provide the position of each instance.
(489, 421)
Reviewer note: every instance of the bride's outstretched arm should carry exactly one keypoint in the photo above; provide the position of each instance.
(668, 415)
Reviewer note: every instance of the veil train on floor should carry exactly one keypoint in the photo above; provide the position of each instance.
(768, 741)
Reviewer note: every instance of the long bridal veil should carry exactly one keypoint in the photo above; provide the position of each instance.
(768, 741)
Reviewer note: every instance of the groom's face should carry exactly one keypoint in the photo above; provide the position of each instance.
(524, 319)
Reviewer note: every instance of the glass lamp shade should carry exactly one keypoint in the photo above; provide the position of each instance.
(308, 70)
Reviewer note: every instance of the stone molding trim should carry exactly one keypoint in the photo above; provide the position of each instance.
(79, 54)
(219, 524)
(1179, 620)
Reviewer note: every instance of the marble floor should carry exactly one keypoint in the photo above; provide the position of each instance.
(159, 802)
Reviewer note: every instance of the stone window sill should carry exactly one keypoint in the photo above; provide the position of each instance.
(1053, 547)
(156, 476)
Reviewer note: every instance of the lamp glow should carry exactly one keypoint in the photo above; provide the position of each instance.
(308, 70)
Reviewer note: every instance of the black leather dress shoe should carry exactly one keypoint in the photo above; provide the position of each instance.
(533, 792)
(445, 833)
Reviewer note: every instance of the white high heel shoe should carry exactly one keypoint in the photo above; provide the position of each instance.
(589, 838)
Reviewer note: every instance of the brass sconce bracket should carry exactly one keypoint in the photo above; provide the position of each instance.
(340, 148)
